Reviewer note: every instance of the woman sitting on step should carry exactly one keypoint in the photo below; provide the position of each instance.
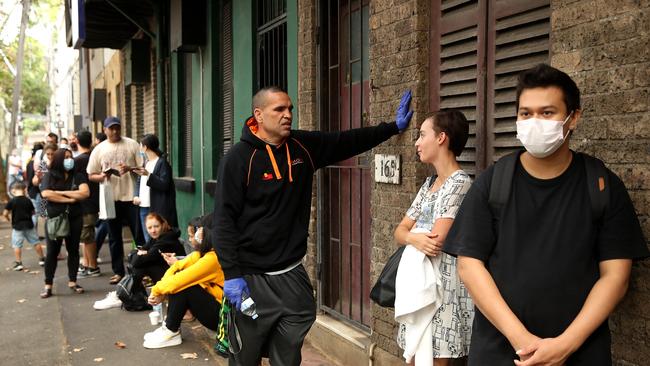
(194, 283)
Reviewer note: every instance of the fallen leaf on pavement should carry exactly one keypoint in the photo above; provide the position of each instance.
(34, 272)
(99, 359)
(120, 344)
(78, 349)
(21, 301)
(185, 356)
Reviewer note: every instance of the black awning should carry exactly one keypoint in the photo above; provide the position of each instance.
(108, 27)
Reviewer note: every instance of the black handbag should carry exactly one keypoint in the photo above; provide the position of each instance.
(383, 292)
(132, 295)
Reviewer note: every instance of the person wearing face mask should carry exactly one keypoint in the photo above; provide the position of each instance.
(63, 190)
(41, 168)
(155, 191)
(543, 269)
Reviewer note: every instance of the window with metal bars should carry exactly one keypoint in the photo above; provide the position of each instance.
(186, 115)
(271, 60)
(478, 48)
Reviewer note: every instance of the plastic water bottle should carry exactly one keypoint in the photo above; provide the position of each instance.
(248, 306)
(159, 309)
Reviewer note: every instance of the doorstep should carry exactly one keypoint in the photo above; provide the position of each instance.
(347, 345)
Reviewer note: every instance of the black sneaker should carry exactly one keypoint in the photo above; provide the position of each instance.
(81, 269)
(89, 272)
(18, 266)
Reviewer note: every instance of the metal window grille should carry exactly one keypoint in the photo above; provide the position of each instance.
(271, 43)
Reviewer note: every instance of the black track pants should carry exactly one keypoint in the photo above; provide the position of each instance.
(286, 309)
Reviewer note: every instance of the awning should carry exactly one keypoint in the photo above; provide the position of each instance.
(105, 23)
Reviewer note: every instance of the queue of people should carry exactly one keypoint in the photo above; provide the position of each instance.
(484, 249)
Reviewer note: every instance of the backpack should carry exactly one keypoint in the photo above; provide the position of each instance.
(597, 183)
(134, 298)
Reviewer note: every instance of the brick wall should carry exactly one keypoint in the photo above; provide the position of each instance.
(605, 46)
(399, 59)
(307, 110)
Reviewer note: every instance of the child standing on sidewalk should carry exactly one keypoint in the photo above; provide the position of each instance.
(21, 210)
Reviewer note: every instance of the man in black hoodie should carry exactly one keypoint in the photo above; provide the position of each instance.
(263, 202)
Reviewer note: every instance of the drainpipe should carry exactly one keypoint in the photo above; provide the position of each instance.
(371, 354)
(160, 85)
(201, 133)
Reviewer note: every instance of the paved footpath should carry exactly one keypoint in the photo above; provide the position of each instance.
(65, 329)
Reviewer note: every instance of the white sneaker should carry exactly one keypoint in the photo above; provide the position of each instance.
(155, 332)
(162, 337)
(110, 301)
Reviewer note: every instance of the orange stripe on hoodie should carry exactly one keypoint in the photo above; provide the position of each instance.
(253, 126)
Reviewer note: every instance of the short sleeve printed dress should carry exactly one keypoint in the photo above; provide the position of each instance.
(452, 323)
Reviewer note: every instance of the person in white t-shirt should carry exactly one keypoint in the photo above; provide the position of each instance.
(113, 161)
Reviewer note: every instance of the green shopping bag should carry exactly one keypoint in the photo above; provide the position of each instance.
(228, 340)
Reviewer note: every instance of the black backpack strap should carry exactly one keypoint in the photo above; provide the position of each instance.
(501, 182)
(597, 185)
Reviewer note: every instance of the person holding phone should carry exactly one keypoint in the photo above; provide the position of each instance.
(147, 260)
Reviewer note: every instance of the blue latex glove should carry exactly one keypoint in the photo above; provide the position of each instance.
(233, 289)
(403, 115)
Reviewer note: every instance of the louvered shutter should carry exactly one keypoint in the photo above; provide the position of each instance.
(458, 54)
(187, 115)
(518, 39)
(227, 87)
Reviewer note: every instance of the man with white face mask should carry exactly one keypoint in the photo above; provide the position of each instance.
(544, 272)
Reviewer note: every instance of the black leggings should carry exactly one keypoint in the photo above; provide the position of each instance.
(71, 245)
(203, 306)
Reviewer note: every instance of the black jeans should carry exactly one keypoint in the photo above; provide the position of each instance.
(286, 310)
(202, 305)
(71, 245)
(124, 212)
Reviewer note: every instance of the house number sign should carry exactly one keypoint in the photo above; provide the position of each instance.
(387, 168)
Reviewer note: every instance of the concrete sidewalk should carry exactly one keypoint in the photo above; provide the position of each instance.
(66, 330)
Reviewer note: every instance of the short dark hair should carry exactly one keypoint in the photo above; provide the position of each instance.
(544, 76)
(85, 139)
(18, 185)
(37, 146)
(53, 136)
(259, 97)
(63, 138)
(100, 136)
(454, 124)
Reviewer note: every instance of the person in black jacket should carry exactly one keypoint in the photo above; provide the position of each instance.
(262, 207)
(148, 260)
(155, 191)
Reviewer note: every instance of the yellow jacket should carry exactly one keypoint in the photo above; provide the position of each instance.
(193, 270)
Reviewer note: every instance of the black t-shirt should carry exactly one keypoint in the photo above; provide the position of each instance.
(544, 253)
(71, 183)
(21, 213)
(91, 204)
(32, 190)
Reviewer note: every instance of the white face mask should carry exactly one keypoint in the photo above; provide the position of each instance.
(541, 137)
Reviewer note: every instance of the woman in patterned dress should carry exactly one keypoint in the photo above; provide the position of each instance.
(442, 138)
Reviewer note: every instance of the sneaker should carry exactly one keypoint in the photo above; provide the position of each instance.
(151, 335)
(81, 269)
(89, 272)
(162, 337)
(110, 301)
(41, 261)
(99, 260)
(18, 266)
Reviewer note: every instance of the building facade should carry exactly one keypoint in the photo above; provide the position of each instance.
(345, 64)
